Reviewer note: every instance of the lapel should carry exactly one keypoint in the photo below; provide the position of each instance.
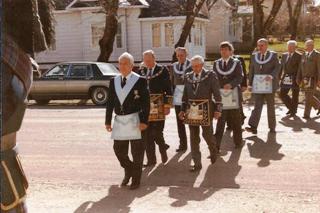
(156, 69)
(122, 93)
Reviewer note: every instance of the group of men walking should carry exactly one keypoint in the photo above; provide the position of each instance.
(141, 100)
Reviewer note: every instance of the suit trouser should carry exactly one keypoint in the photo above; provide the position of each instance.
(207, 133)
(242, 117)
(134, 167)
(154, 135)
(311, 101)
(233, 117)
(291, 103)
(181, 129)
(256, 113)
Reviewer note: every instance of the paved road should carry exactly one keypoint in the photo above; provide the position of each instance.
(68, 157)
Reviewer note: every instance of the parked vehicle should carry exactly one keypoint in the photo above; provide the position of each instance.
(74, 80)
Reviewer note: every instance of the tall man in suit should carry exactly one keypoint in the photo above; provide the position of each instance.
(264, 63)
(201, 85)
(309, 77)
(129, 99)
(290, 63)
(179, 70)
(158, 83)
(230, 75)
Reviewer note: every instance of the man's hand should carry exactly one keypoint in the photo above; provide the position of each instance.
(269, 78)
(109, 128)
(243, 89)
(143, 126)
(166, 110)
(227, 87)
(182, 115)
(250, 88)
(217, 115)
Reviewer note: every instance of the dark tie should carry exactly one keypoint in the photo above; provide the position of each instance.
(224, 65)
(150, 72)
(194, 85)
(262, 57)
(181, 67)
(289, 57)
(123, 82)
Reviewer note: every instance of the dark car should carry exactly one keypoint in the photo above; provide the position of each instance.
(74, 80)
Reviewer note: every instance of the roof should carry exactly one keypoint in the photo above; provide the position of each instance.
(63, 4)
(166, 8)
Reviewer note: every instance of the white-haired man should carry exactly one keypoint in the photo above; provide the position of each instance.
(309, 77)
(129, 99)
(198, 109)
(290, 63)
(159, 86)
(263, 82)
(179, 70)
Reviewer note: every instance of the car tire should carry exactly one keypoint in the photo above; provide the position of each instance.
(42, 102)
(99, 96)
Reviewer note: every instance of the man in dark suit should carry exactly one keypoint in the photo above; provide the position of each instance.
(201, 85)
(263, 75)
(309, 77)
(179, 70)
(129, 99)
(290, 63)
(158, 83)
(230, 74)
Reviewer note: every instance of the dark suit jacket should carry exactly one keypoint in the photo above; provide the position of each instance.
(207, 89)
(138, 100)
(290, 67)
(235, 78)
(160, 84)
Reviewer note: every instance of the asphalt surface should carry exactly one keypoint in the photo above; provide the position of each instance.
(69, 160)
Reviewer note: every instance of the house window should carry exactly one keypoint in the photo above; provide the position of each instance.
(198, 34)
(119, 42)
(169, 34)
(156, 35)
(96, 34)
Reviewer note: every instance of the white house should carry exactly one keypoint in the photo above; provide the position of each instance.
(143, 24)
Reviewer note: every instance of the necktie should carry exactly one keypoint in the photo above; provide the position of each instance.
(181, 67)
(224, 65)
(289, 57)
(262, 57)
(150, 72)
(123, 82)
(194, 85)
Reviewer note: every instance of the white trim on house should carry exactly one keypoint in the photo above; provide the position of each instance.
(171, 18)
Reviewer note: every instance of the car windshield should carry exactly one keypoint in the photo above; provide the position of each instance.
(108, 69)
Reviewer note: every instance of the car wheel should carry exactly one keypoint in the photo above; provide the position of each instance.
(99, 96)
(42, 102)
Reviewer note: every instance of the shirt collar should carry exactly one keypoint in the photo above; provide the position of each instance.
(226, 60)
(309, 53)
(194, 74)
(127, 77)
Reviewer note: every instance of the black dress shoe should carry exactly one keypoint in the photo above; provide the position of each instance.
(125, 180)
(164, 156)
(180, 149)
(134, 186)
(195, 168)
(288, 113)
(149, 164)
(213, 158)
(252, 130)
(306, 117)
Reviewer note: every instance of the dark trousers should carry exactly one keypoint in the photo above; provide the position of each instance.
(258, 105)
(290, 102)
(207, 133)
(233, 117)
(151, 136)
(311, 101)
(132, 168)
(181, 129)
(242, 117)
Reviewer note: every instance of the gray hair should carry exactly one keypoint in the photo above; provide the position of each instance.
(149, 52)
(309, 41)
(292, 42)
(263, 40)
(127, 56)
(182, 49)
(198, 58)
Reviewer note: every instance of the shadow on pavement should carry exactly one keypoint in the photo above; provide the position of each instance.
(265, 151)
(297, 124)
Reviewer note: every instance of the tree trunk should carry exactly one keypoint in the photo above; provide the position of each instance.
(192, 10)
(294, 17)
(111, 26)
(261, 27)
